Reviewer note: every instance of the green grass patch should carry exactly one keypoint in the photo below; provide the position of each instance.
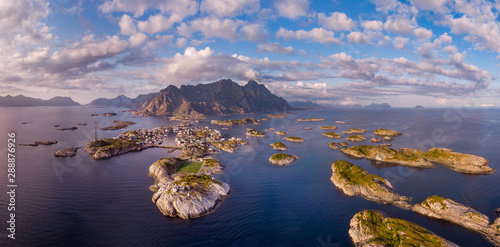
(189, 167)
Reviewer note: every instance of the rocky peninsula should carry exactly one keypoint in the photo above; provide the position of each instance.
(282, 159)
(118, 125)
(387, 155)
(387, 132)
(446, 209)
(184, 195)
(294, 139)
(356, 138)
(329, 127)
(279, 146)
(354, 180)
(255, 133)
(235, 122)
(372, 228)
(354, 131)
(67, 152)
(310, 119)
(465, 163)
(332, 135)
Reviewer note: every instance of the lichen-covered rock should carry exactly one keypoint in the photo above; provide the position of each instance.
(354, 180)
(388, 155)
(449, 210)
(371, 228)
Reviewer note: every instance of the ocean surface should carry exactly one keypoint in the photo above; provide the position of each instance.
(83, 202)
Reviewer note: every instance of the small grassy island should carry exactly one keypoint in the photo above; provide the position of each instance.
(387, 132)
(354, 131)
(446, 209)
(329, 127)
(278, 146)
(282, 159)
(354, 180)
(373, 228)
(280, 115)
(255, 133)
(332, 135)
(235, 122)
(356, 138)
(183, 188)
(341, 122)
(310, 119)
(375, 139)
(109, 147)
(293, 139)
(118, 125)
(387, 155)
(280, 133)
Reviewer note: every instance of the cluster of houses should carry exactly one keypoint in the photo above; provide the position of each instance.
(197, 138)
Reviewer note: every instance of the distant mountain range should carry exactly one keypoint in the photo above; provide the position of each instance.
(217, 98)
(120, 101)
(304, 104)
(21, 100)
(375, 105)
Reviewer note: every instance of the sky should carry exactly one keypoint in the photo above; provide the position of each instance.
(435, 53)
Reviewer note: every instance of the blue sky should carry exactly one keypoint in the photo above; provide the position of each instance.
(436, 53)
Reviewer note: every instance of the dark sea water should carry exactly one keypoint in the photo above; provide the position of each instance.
(82, 202)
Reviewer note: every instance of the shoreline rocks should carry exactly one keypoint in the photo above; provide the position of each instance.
(67, 152)
(446, 209)
(282, 159)
(354, 180)
(371, 228)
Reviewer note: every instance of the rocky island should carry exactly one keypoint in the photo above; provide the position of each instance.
(354, 180)
(387, 132)
(108, 147)
(118, 125)
(446, 209)
(44, 142)
(255, 133)
(332, 135)
(372, 228)
(279, 146)
(108, 114)
(387, 155)
(280, 133)
(67, 152)
(279, 115)
(184, 195)
(235, 122)
(375, 139)
(356, 138)
(70, 128)
(229, 145)
(334, 145)
(354, 131)
(329, 127)
(465, 163)
(341, 122)
(310, 119)
(293, 139)
(282, 159)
